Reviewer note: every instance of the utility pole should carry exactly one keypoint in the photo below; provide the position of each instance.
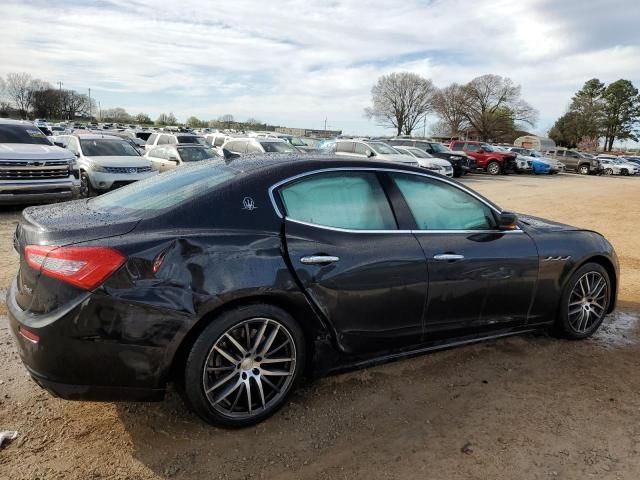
(61, 102)
(424, 127)
(325, 125)
(90, 109)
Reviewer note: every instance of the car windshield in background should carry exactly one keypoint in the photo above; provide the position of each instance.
(195, 154)
(277, 147)
(296, 142)
(22, 134)
(191, 139)
(107, 148)
(383, 148)
(439, 148)
(166, 190)
(416, 152)
(143, 135)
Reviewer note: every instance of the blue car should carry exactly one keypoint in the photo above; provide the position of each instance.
(540, 167)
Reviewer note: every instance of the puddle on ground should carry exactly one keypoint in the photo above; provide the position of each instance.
(621, 328)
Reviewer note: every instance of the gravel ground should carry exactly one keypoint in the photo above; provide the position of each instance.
(530, 407)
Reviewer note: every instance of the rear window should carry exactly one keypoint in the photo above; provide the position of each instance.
(22, 134)
(191, 139)
(195, 154)
(166, 190)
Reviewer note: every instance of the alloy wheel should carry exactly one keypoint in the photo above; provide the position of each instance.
(584, 169)
(588, 301)
(608, 171)
(249, 368)
(493, 168)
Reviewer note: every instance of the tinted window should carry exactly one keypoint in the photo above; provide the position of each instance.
(163, 191)
(22, 134)
(195, 154)
(191, 139)
(143, 135)
(437, 205)
(106, 148)
(472, 147)
(353, 201)
(345, 147)
(278, 147)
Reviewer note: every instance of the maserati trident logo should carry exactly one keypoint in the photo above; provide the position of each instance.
(248, 204)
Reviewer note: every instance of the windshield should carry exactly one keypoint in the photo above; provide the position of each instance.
(195, 154)
(166, 190)
(22, 134)
(296, 142)
(416, 152)
(383, 148)
(277, 147)
(191, 139)
(106, 148)
(439, 148)
(487, 148)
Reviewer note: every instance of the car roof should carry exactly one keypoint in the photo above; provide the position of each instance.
(93, 136)
(9, 121)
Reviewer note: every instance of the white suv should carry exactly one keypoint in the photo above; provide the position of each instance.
(160, 138)
(105, 162)
(241, 146)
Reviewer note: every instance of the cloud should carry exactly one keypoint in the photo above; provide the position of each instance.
(297, 62)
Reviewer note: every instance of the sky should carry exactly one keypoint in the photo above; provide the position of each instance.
(298, 62)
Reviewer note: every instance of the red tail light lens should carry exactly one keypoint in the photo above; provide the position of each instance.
(84, 267)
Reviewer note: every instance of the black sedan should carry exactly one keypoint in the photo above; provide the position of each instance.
(232, 279)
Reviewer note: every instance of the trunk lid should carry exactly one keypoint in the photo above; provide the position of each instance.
(61, 225)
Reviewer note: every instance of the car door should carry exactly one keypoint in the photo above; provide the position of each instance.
(480, 277)
(366, 277)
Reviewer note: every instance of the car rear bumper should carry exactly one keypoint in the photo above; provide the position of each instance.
(83, 354)
(29, 191)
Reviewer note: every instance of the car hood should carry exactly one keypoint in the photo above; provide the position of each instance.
(124, 161)
(544, 225)
(26, 151)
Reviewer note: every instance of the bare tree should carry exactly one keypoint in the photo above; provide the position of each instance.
(19, 91)
(492, 104)
(401, 100)
(449, 104)
(226, 119)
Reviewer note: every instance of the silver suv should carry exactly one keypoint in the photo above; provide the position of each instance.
(31, 168)
(158, 139)
(372, 149)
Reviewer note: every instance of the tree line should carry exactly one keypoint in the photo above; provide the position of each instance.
(489, 107)
(598, 111)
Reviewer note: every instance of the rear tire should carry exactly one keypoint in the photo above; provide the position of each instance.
(493, 168)
(584, 302)
(608, 171)
(244, 364)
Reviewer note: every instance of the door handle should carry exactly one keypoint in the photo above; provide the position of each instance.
(318, 259)
(447, 257)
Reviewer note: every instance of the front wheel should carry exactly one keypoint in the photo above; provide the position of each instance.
(608, 171)
(493, 168)
(242, 367)
(585, 302)
(583, 169)
(86, 189)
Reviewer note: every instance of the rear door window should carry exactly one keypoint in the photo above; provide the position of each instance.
(344, 147)
(349, 200)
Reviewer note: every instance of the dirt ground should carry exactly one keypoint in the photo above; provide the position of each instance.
(529, 407)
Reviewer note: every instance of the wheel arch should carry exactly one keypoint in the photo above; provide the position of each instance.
(310, 329)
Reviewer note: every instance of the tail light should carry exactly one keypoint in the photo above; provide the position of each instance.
(84, 267)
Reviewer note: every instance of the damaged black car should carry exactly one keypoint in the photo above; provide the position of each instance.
(234, 279)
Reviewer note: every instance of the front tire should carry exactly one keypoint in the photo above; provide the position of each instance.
(86, 189)
(242, 367)
(493, 168)
(585, 302)
(608, 171)
(583, 169)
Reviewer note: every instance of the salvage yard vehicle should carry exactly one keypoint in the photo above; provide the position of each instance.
(438, 165)
(32, 169)
(159, 139)
(245, 145)
(365, 149)
(616, 166)
(170, 156)
(302, 268)
(462, 164)
(105, 162)
(577, 162)
(487, 157)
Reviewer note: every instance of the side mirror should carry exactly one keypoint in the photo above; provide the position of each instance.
(229, 155)
(507, 221)
(371, 154)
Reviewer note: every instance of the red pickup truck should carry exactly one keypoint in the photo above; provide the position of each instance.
(487, 158)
